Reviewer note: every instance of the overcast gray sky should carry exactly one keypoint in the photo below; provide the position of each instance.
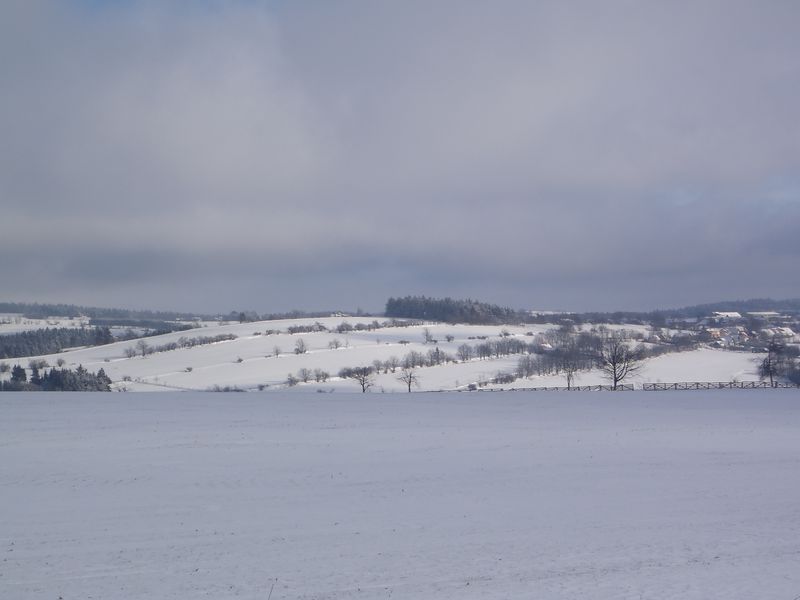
(213, 156)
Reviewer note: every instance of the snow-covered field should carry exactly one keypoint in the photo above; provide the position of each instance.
(684, 495)
(17, 323)
(705, 364)
(257, 360)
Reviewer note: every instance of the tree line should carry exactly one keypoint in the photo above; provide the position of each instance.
(142, 348)
(56, 380)
(781, 362)
(34, 310)
(152, 327)
(448, 310)
(52, 340)
(566, 354)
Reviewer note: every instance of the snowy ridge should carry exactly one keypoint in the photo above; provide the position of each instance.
(250, 362)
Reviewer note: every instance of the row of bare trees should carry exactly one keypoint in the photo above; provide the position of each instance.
(613, 355)
(365, 377)
(781, 361)
(143, 349)
(305, 375)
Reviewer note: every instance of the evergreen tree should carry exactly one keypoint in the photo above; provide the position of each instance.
(18, 374)
(449, 310)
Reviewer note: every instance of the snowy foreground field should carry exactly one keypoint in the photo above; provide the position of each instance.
(690, 495)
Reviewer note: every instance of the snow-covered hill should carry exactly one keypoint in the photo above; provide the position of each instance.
(18, 323)
(263, 356)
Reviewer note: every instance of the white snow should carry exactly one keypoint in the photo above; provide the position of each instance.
(203, 367)
(218, 364)
(704, 364)
(670, 495)
(17, 323)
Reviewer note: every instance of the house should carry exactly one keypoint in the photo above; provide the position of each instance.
(767, 315)
(726, 317)
(784, 333)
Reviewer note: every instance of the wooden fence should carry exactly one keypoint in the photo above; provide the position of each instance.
(715, 385)
(652, 387)
(621, 387)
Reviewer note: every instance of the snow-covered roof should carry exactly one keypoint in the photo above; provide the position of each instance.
(727, 315)
(779, 331)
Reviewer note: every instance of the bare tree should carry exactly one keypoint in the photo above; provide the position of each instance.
(300, 347)
(616, 360)
(483, 350)
(571, 361)
(435, 356)
(304, 375)
(413, 359)
(143, 348)
(276, 351)
(570, 372)
(774, 363)
(344, 327)
(409, 377)
(465, 352)
(393, 363)
(364, 377)
(334, 344)
(525, 366)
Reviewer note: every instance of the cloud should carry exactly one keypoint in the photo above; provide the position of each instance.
(255, 155)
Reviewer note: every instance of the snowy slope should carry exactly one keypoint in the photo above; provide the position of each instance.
(249, 362)
(705, 364)
(675, 495)
(17, 323)
(219, 364)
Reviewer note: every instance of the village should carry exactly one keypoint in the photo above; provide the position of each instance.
(749, 331)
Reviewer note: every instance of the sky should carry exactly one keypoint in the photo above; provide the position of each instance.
(215, 156)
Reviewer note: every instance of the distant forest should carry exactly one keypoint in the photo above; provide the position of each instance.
(42, 311)
(52, 340)
(56, 380)
(473, 312)
(123, 317)
(449, 310)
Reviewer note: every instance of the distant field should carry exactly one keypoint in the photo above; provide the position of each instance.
(446, 496)
(17, 323)
(262, 357)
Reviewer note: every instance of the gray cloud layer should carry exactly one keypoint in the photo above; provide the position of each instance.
(276, 155)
